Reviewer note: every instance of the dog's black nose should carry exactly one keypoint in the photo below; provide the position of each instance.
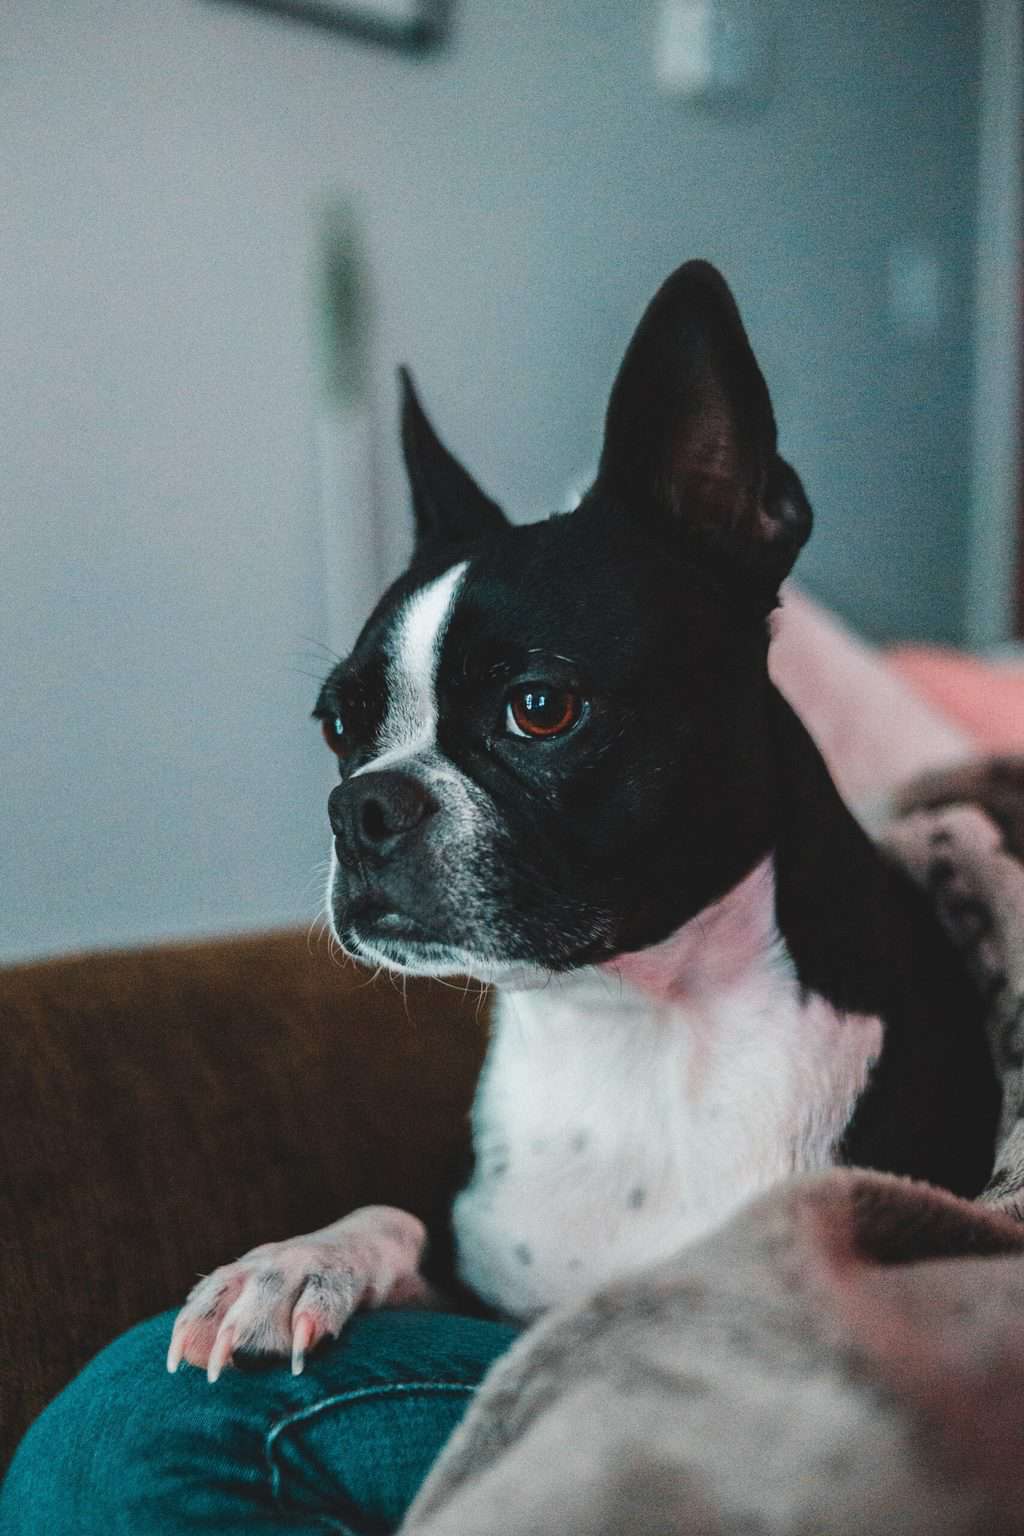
(373, 812)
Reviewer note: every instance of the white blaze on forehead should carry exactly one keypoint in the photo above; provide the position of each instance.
(410, 723)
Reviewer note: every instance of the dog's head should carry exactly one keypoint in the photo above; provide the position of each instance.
(553, 739)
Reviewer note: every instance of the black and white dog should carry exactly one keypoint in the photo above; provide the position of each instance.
(564, 770)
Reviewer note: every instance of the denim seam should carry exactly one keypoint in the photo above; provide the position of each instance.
(357, 1394)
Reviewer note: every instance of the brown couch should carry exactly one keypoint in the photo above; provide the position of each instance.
(163, 1110)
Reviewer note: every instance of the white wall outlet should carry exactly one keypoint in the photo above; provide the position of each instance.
(708, 50)
(682, 60)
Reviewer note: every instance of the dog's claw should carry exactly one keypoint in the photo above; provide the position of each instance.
(176, 1350)
(302, 1336)
(220, 1354)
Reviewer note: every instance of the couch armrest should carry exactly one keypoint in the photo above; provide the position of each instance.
(165, 1109)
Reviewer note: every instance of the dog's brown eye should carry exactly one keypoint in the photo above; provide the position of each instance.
(541, 709)
(333, 728)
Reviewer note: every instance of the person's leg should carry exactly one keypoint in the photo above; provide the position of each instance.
(128, 1448)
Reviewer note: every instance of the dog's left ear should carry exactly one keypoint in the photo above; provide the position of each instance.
(690, 436)
(448, 505)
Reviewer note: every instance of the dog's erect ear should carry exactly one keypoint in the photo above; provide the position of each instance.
(448, 505)
(690, 434)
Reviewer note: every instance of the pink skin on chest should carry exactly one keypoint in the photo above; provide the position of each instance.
(714, 951)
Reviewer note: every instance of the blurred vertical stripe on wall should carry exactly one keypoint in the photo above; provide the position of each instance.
(344, 427)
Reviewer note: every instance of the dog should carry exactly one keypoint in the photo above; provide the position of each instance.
(563, 770)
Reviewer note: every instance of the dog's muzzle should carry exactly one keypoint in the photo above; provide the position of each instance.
(386, 881)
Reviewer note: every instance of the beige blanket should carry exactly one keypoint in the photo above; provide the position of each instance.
(846, 1355)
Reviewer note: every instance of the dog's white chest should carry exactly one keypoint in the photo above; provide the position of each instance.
(615, 1123)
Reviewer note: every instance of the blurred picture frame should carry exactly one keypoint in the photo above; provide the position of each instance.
(412, 25)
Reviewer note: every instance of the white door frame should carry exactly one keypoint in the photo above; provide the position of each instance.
(995, 480)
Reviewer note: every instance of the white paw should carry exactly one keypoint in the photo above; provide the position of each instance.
(284, 1298)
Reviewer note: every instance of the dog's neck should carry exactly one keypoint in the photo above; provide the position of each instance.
(714, 950)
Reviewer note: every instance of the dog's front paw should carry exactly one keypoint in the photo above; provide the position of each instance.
(284, 1298)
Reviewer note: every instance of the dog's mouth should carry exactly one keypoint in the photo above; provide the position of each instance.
(372, 917)
(372, 928)
(401, 926)
(401, 945)
(376, 933)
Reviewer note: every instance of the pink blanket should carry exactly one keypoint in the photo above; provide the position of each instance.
(881, 717)
(872, 728)
(985, 698)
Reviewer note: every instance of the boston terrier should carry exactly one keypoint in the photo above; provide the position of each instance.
(563, 770)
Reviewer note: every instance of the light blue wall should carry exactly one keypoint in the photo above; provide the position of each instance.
(521, 195)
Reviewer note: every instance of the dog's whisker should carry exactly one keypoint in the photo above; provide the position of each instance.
(320, 646)
(316, 677)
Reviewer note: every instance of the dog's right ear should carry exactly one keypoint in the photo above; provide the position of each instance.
(690, 440)
(448, 505)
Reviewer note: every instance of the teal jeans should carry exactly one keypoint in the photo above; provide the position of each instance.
(127, 1448)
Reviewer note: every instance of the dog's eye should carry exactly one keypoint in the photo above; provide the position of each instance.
(541, 709)
(333, 728)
